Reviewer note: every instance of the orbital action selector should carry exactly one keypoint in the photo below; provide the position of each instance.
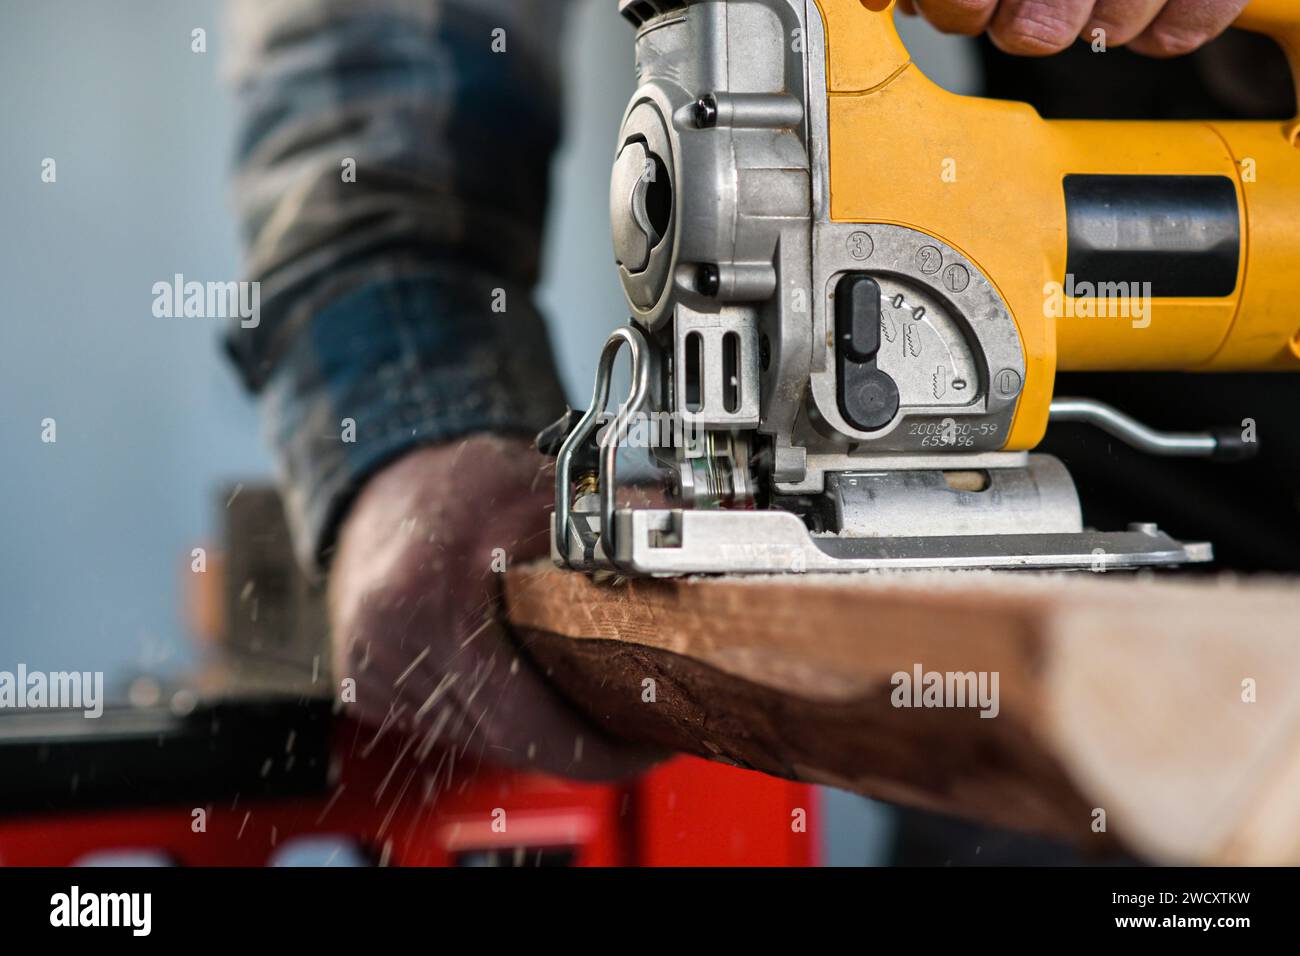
(868, 396)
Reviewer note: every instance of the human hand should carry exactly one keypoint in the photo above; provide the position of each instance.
(1041, 27)
(413, 595)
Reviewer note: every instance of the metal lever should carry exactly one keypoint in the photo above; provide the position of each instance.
(639, 350)
(1222, 444)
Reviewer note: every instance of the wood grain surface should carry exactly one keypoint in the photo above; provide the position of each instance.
(1166, 709)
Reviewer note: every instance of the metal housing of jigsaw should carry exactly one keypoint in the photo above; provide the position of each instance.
(850, 291)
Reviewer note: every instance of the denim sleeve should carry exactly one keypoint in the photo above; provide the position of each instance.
(393, 163)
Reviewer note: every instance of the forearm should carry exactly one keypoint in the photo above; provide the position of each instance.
(392, 189)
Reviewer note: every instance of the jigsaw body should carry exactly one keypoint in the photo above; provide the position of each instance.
(850, 292)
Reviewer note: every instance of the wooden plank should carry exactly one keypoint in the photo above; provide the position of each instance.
(1122, 695)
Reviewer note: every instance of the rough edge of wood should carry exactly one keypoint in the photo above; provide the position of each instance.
(819, 709)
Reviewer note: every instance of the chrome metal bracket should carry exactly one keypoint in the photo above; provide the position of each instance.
(604, 547)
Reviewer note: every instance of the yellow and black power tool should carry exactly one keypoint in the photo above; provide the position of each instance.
(851, 290)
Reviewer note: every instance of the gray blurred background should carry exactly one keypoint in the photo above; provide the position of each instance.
(97, 527)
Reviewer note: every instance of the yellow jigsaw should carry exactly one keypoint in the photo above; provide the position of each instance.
(851, 290)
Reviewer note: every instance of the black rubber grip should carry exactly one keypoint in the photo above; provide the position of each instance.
(1182, 234)
(1232, 445)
